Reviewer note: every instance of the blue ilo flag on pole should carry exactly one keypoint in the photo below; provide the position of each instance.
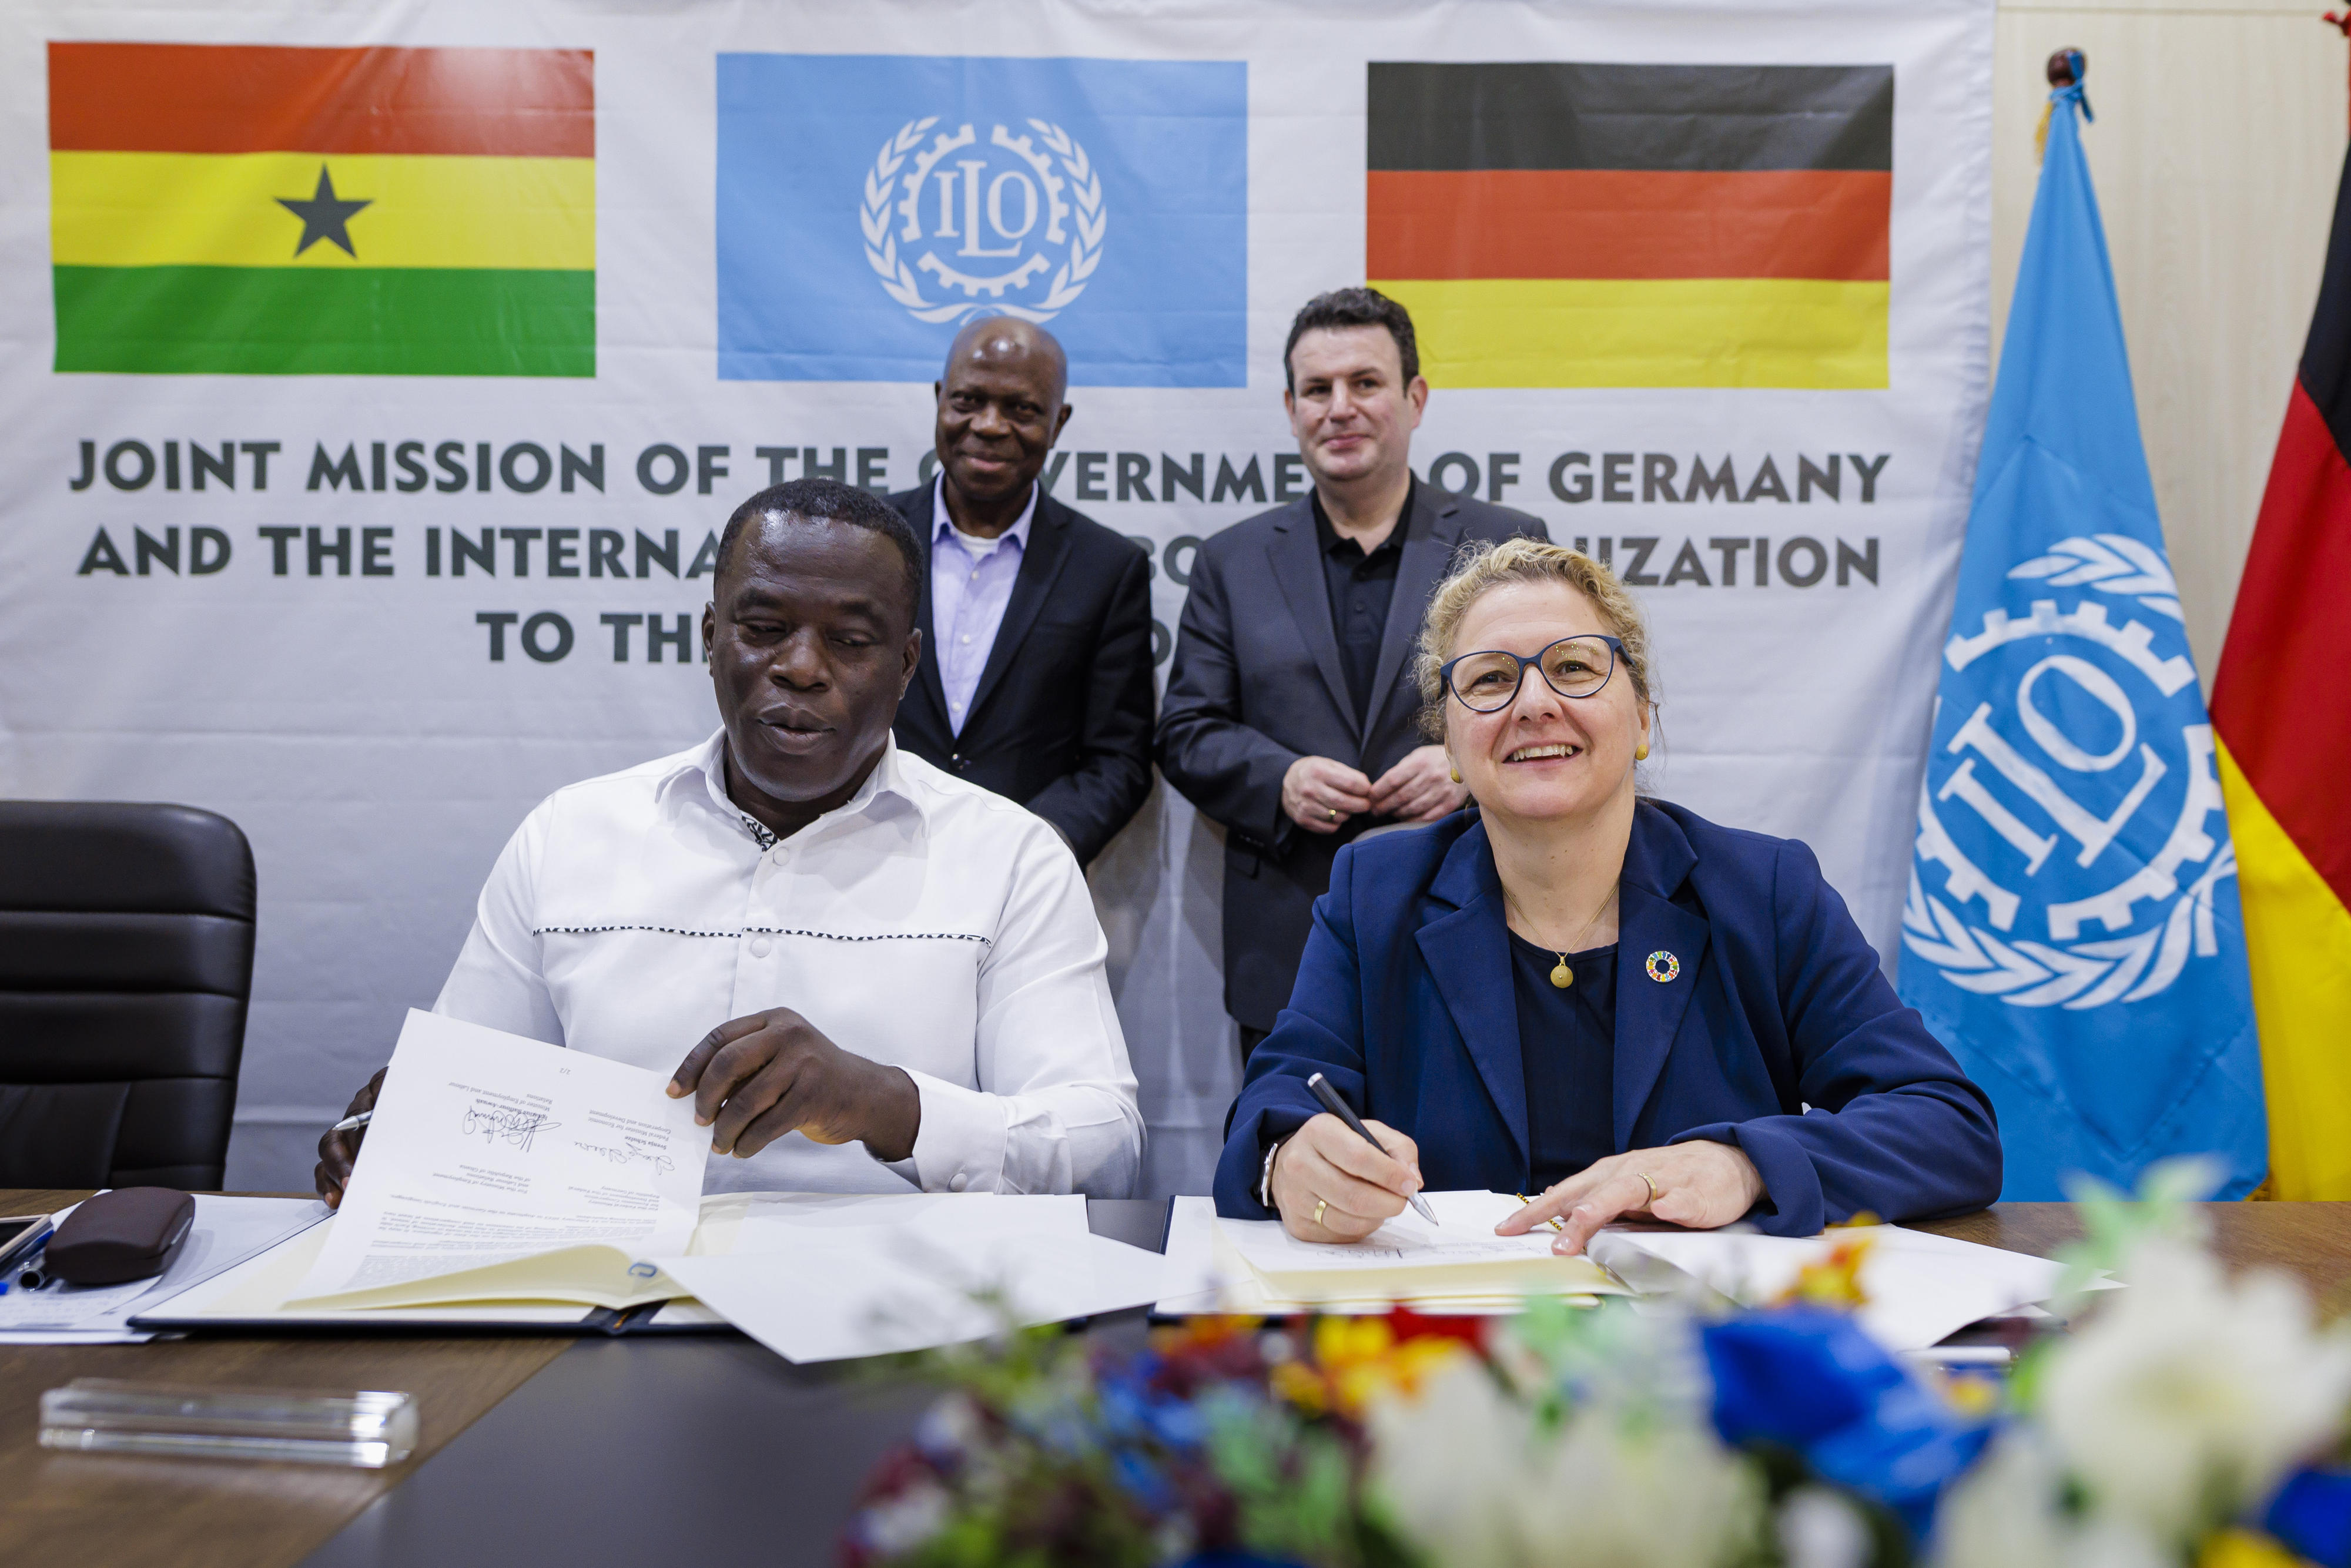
(2071, 929)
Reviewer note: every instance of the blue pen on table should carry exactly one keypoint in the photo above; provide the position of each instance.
(1345, 1113)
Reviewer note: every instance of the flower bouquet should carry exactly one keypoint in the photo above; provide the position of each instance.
(2190, 1419)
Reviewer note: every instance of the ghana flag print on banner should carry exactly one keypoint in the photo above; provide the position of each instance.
(269, 211)
(1635, 225)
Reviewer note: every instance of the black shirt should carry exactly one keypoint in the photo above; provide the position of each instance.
(1567, 1037)
(1361, 587)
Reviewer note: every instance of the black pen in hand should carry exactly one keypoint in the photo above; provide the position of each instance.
(1340, 1109)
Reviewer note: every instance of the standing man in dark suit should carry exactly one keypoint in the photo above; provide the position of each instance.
(1036, 671)
(1288, 717)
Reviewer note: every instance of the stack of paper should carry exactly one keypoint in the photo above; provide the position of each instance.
(817, 1278)
(1918, 1286)
(1457, 1266)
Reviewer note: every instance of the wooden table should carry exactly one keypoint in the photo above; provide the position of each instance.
(60, 1510)
(2309, 1240)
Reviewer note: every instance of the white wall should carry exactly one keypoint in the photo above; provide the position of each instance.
(2218, 144)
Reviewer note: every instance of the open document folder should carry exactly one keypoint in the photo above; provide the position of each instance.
(512, 1184)
(503, 1168)
(1920, 1287)
(1457, 1264)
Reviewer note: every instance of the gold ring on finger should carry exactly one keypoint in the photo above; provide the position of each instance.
(1332, 813)
(1651, 1184)
(1320, 1205)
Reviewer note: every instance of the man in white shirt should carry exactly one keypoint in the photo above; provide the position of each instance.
(909, 967)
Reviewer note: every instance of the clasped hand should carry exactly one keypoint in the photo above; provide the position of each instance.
(1700, 1184)
(753, 1080)
(1319, 794)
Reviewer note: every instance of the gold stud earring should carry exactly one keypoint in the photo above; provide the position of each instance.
(1455, 771)
(1640, 752)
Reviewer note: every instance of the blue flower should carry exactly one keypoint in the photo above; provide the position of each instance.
(1132, 1408)
(1813, 1382)
(2312, 1515)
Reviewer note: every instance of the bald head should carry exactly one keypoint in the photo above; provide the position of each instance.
(1001, 408)
(1005, 341)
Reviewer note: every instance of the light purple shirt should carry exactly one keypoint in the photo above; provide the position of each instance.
(971, 582)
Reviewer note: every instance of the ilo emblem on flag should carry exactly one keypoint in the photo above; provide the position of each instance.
(868, 206)
(2071, 831)
(1009, 225)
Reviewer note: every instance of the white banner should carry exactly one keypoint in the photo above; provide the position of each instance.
(319, 560)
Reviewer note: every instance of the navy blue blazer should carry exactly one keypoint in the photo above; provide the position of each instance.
(1779, 1035)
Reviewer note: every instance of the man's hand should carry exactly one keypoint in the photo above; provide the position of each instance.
(1701, 1184)
(1318, 794)
(1419, 788)
(755, 1079)
(339, 1152)
(1330, 1185)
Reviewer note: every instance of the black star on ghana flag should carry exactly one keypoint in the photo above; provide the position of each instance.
(325, 215)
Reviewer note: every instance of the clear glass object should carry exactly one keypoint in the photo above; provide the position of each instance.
(365, 1431)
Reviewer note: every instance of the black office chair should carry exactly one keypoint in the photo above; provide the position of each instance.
(126, 959)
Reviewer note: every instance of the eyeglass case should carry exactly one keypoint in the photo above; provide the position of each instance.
(127, 1234)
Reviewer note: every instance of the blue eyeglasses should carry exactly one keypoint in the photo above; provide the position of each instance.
(1487, 682)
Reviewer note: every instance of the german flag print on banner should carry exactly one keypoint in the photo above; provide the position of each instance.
(265, 211)
(1635, 225)
(2282, 709)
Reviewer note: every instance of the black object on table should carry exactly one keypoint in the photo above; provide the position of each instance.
(130, 1233)
(666, 1451)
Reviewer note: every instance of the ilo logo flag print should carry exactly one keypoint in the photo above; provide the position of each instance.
(870, 205)
(2071, 928)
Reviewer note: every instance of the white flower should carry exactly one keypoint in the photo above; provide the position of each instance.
(1821, 1528)
(1447, 1464)
(2187, 1398)
(1662, 1494)
(2005, 1514)
(1466, 1474)
(902, 1523)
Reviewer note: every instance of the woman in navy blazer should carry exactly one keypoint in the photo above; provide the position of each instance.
(1714, 1041)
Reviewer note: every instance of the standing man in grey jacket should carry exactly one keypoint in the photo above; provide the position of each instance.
(1291, 716)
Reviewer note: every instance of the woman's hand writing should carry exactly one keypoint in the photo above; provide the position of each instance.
(1330, 1185)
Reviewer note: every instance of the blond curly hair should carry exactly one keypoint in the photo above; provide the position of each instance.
(1481, 566)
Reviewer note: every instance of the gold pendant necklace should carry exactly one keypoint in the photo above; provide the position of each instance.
(1562, 974)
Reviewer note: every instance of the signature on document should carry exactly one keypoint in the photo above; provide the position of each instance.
(622, 1153)
(500, 1124)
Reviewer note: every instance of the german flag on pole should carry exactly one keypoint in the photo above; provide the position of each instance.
(261, 210)
(1621, 226)
(2281, 707)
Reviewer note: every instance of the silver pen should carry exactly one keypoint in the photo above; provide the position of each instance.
(1345, 1113)
(348, 1122)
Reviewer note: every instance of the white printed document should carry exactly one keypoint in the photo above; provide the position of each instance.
(1918, 1286)
(821, 1278)
(500, 1167)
